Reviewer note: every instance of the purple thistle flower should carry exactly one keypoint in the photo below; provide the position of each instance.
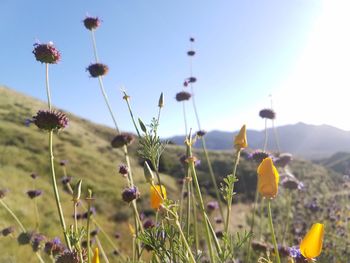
(46, 53)
(258, 156)
(66, 180)
(7, 231)
(212, 205)
(97, 69)
(92, 23)
(27, 122)
(50, 120)
(191, 53)
(36, 241)
(3, 193)
(122, 139)
(63, 162)
(34, 175)
(148, 224)
(182, 96)
(201, 133)
(267, 114)
(130, 193)
(34, 193)
(123, 170)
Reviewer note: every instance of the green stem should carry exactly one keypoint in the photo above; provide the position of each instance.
(55, 190)
(185, 118)
(273, 233)
(8, 209)
(201, 203)
(229, 201)
(276, 136)
(266, 135)
(188, 218)
(212, 177)
(192, 260)
(158, 177)
(194, 206)
(13, 215)
(252, 224)
(48, 86)
(88, 227)
(94, 45)
(37, 223)
(126, 98)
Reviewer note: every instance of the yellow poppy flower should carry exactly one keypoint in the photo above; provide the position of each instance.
(96, 258)
(268, 179)
(311, 245)
(241, 139)
(156, 197)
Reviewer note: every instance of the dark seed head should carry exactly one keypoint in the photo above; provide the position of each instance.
(182, 96)
(92, 23)
(290, 183)
(201, 133)
(66, 180)
(267, 114)
(34, 193)
(24, 238)
(97, 69)
(212, 205)
(63, 162)
(68, 257)
(122, 139)
(123, 169)
(8, 230)
(148, 224)
(191, 39)
(50, 120)
(34, 175)
(46, 53)
(259, 246)
(192, 80)
(3, 193)
(191, 53)
(130, 193)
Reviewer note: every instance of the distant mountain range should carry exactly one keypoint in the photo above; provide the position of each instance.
(303, 140)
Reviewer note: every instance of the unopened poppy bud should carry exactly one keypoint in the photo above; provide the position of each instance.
(268, 179)
(77, 191)
(148, 173)
(96, 258)
(143, 126)
(158, 195)
(241, 139)
(161, 101)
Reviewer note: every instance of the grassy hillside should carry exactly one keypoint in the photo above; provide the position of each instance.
(23, 150)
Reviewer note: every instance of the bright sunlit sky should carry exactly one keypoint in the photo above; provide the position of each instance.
(296, 50)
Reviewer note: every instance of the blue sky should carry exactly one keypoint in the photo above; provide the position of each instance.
(298, 51)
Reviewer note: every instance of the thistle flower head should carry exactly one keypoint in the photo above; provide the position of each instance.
(97, 69)
(182, 96)
(148, 224)
(131, 193)
(34, 175)
(7, 231)
(36, 241)
(267, 114)
(258, 156)
(34, 193)
(91, 23)
(201, 133)
(260, 246)
(46, 53)
(191, 53)
(50, 120)
(63, 162)
(123, 170)
(290, 183)
(3, 193)
(294, 253)
(122, 139)
(69, 257)
(54, 247)
(268, 179)
(283, 160)
(212, 205)
(66, 180)
(24, 238)
(191, 39)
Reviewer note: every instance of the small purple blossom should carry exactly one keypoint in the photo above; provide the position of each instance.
(97, 69)
(182, 96)
(123, 170)
(7, 231)
(91, 23)
(267, 114)
(46, 53)
(50, 120)
(212, 205)
(34, 193)
(131, 193)
(66, 180)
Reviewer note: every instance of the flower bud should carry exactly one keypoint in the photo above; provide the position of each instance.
(77, 191)
(161, 101)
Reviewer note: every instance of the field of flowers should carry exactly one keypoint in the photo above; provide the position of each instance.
(297, 211)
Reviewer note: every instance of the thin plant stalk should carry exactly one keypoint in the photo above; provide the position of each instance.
(185, 117)
(188, 218)
(37, 220)
(261, 212)
(266, 135)
(103, 253)
(286, 229)
(53, 176)
(94, 45)
(229, 201)
(273, 233)
(201, 203)
(88, 226)
(8, 209)
(195, 225)
(252, 224)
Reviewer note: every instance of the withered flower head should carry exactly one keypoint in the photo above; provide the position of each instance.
(191, 39)
(63, 162)
(259, 246)
(24, 238)
(34, 193)
(183, 95)
(191, 53)
(97, 69)
(92, 23)
(3, 193)
(130, 193)
(191, 80)
(69, 257)
(201, 133)
(122, 139)
(50, 120)
(34, 175)
(123, 169)
(148, 224)
(267, 114)
(8, 230)
(46, 53)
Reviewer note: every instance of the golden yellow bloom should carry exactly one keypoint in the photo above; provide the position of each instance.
(241, 139)
(311, 245)
(96, 258)
(268, 178)
(156, 197)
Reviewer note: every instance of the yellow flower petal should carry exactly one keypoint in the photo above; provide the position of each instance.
(311, 245)
(268, 178)
(241, 139)
(156, 197)
(96, 258)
